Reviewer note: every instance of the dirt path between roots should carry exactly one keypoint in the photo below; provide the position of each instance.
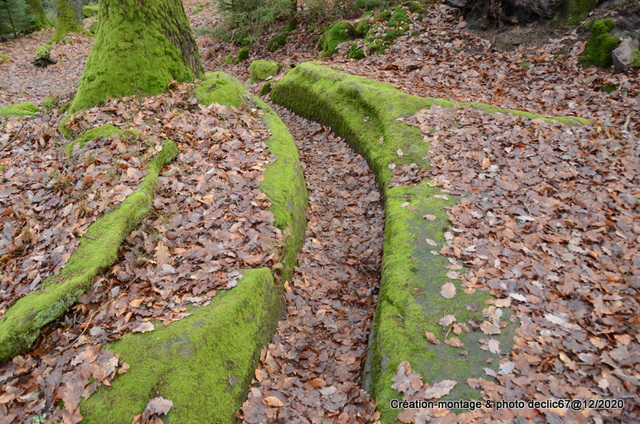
(311, 371)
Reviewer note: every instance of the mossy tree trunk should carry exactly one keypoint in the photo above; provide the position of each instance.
(40, 17)
(140, 47)
(68, 19)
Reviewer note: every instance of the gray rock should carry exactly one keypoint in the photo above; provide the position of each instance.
(623, 55)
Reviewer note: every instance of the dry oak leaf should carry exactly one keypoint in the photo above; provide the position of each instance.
(454, 342)
(447, 320)
(156, 406)
(272, 401)
(440, 389)
(432, 338)
(448, 291)
(488, 328)
(430, 217)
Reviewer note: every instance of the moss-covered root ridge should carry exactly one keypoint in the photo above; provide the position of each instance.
(138, 50)
(203, 363)
(96, 252)
(362, 110)
(283, 180)
(410, 305)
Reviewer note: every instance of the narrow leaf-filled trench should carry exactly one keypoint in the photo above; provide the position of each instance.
(311, 370)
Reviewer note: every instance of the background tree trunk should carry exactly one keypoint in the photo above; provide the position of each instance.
(40, 18)
(68, 20)
(140, 47)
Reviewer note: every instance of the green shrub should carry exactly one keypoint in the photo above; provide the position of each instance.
(600, 44)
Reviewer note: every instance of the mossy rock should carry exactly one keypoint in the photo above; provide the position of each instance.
(266, 88)
(576, 11)
(4, 58)
(43, 57)
(89, 11)
(221, 88)
(229, 60)
(356, 52)
(415, 6)
(336, 34)
(243, 54)
(260, 70)
(600, 44)
(278, 41)
(384, 15)
(20, 109)
(203, 363)
(97, 251)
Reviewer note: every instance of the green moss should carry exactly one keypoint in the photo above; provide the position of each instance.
(102, 131)
(607, 88)
(66, 22)
(96, 252)
(384, 15)
(266, 88)
(576, 11)
(278, 41)
(89, 11)
(229, 60)
(635, 58)
(196, 10)
(20, 109)
(50, 103)
(337, 33)
(600, 44)
(361, 28)
(415, 6)
(283, 180)
(137, 51)
(93, 28)
(243, 54)
(4, 58)
(292, 25)
(260, 70)
(40, 19)
(221, 88)
(62, 127)
(525, 64)
(355, 52)
(203, 363)
(399, 16)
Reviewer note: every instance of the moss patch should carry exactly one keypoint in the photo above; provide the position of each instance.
(243, 54)
(202, 363)
(600, 45)
(576, 11)
(367, 113)
(50, 103)
(260, 70)
(93, 28)
(96, 252)
(355, 52)
(278, 41)
(4, 58)
(20, 109)
(337, 33)
(89, 11)
(137, 50)
(102, 131)
(284, 179)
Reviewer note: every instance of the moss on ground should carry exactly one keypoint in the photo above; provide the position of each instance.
(356, 52)
(20, 109)
(96, 252)
(600, 44)
(278, 41)
(137, 50)
(93, 28)
(50, 103)
(243, 54)
(283, 180)
(4, 58)
(576, 11)
(203, 363)
(260, 70)
(337, 33)
(102, 131)
(367, 114)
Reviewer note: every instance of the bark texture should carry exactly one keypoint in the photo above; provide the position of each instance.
(140, 47)
(67, 20)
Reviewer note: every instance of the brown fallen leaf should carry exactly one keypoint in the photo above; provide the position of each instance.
(272, 401)
(432, 338)
(156, 406)
(448, 290)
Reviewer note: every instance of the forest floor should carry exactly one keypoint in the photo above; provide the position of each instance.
(549, 222)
